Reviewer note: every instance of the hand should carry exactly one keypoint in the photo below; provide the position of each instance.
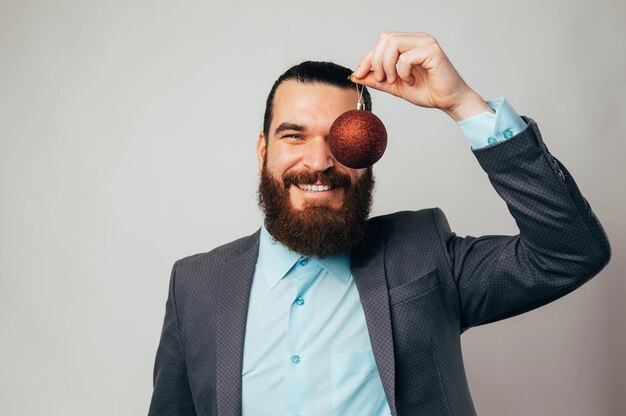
(414, 67)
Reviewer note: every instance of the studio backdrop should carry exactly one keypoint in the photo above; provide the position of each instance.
(127, 141)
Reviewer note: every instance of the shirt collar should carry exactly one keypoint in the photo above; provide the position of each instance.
(276, 261)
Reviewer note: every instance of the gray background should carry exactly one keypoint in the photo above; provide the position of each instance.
(127, 141)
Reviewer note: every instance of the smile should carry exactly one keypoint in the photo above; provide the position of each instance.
(314, 188)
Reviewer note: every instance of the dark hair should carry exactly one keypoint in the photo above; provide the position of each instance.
(310, 72)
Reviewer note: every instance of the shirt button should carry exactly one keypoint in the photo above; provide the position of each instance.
(507, 134)
(300, 301)
(295, 359)
(491, 140)
(304, 262)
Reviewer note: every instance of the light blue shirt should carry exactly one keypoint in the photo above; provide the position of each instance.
(307, 350)
(488, 128)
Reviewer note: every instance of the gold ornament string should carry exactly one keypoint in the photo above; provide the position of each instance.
(359, 93)
(359, 104)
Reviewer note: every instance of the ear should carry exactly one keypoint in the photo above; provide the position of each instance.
(261, 150)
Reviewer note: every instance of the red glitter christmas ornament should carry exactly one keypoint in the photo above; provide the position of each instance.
(357, 138)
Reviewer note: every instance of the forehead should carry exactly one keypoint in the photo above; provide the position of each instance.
(310, 103)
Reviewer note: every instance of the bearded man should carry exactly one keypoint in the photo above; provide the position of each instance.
(324, 311)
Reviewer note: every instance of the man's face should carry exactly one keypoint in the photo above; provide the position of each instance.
(313, 204)
(302, 116)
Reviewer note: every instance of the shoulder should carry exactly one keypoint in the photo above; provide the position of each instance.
(414, 244)
(417, 234)
(408, 223)
(217, 256)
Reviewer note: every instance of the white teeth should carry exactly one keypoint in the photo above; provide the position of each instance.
(314, 188)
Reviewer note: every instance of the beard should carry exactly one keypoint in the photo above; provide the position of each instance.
(316, 230)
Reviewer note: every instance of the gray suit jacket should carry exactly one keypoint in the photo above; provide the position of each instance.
(421, 286)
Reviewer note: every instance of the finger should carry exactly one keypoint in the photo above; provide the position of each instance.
(417, 50)
(364, 65)
(389, 48)
(390, 58)
(405, 72)
(378, 53)
(418, 57)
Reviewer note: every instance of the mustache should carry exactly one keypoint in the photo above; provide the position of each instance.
(329, 177)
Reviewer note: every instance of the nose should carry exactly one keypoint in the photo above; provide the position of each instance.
(318, 157)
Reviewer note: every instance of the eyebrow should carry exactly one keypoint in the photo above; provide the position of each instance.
(289, 126)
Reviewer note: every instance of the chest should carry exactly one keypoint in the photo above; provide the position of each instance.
(307, 346)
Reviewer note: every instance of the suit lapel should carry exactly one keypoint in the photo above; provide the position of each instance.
(231, 324)
(368, 269)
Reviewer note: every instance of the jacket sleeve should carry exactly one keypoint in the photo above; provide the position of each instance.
(561, 244)
(172, 394)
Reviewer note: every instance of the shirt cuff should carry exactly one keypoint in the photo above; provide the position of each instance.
(487, 128)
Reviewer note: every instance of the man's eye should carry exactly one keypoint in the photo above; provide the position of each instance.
(293, 136)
